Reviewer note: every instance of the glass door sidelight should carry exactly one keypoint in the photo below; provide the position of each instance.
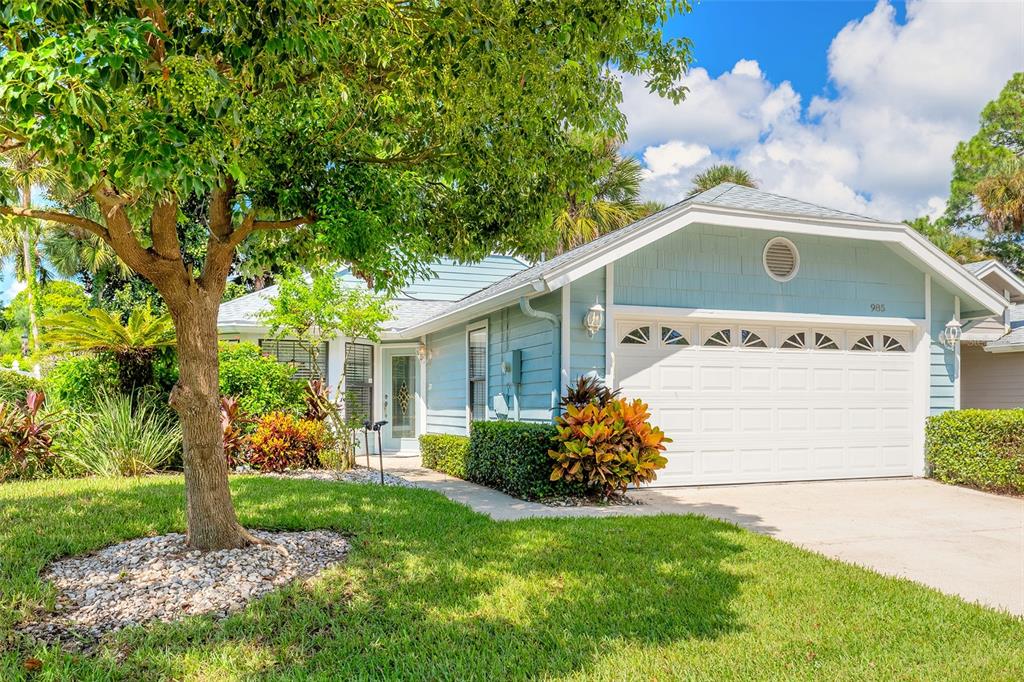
(401, 379)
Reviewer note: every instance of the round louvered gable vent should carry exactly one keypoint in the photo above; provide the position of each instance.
(781, 259)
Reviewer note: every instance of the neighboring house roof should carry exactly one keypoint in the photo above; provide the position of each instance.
(1014, 339)
(1013, 282)
(418, 302)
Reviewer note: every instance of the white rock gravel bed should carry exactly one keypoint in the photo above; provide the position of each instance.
(354, 475)
(162, 579)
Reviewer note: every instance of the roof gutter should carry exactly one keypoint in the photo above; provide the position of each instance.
(556, 351)
(509, 297)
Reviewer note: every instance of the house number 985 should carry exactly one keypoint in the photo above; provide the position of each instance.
(878, 307)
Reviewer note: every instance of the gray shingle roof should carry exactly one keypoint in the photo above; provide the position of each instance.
(1015, 337)
(730, 195)
(976, 267)
(727, 195)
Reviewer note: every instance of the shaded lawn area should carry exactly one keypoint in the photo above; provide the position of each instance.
(432, 590)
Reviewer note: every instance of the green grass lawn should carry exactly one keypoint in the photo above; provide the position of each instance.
(432, 590)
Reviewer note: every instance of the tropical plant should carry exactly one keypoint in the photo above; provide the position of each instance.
(961, 248)
(995, 149)
(1001, 195)
(317, 311)
(719, 173)
(259, 382)
(608, 447)
(232, 421)
(15, 386)
(133, 345)
(282, 441)
(589, 390)
(610, 202)
(26, 444)
(122, 437)
(379, 133)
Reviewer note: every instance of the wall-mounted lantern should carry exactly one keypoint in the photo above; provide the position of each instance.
(594, 318)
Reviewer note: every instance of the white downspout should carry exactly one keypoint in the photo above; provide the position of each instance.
(556, 356)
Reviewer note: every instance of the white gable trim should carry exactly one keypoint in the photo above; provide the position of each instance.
(685, 215)
(1008, 275)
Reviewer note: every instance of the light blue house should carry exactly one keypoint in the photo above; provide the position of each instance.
(773, 339)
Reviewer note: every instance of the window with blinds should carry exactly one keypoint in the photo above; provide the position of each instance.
(289, 352)
(359, 382)
(477, 371)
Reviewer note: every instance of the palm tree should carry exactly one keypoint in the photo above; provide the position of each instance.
(25, 170)
(717, 174)
(1001, 195)
(613, 203)
(133, 344)
(961, 248)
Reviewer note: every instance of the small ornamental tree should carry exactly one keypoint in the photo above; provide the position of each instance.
(319, 310)
(375, 132)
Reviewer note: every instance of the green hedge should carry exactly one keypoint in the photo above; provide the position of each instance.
(261, 383)
(15, 385)
(513, 457)
(445, 452)
(979, 448)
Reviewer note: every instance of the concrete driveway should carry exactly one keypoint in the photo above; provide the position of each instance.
(957, 540)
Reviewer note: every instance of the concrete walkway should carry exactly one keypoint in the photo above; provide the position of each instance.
(957, 540)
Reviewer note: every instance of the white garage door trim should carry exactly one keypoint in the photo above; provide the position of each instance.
(856, 413)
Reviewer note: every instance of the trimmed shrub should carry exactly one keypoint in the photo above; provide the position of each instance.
(445, 452)
(261, 383)
(608, 447)
(14, 386)
(513, 457)
(282, 441)
(78, 381)
(979, 448)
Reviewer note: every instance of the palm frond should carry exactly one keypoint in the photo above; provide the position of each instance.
(99, 331)
(717, 174)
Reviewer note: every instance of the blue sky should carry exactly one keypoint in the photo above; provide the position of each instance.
(853, 105)
(789, 39)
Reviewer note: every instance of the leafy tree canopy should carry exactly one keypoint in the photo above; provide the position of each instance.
(997, 147)
(316, 311)
(382, 133)
(404, 130)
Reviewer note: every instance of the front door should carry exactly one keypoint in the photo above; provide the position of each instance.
(401, 378)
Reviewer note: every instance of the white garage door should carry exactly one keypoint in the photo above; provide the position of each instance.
(746, 403)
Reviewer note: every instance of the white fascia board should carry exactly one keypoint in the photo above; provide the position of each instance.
(1016, 348)
(896, 234)
(1015, 282)
(809, 319)
(241, 327)
(465, 314)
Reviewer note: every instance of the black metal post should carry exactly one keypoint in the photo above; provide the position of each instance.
(380, 454)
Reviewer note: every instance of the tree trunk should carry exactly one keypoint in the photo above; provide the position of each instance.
(28, 263)
(212, 523)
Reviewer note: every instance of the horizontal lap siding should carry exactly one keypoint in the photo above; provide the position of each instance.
(446, 381)
(511, 330)
(942, 370)
(587, 352)
(991, 381)
(721, 268)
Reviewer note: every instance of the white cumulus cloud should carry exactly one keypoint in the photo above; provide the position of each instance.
(905, 95)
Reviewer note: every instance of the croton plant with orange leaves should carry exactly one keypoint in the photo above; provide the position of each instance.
(608, 446)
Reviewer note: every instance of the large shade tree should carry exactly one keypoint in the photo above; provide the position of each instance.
(379, 132)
